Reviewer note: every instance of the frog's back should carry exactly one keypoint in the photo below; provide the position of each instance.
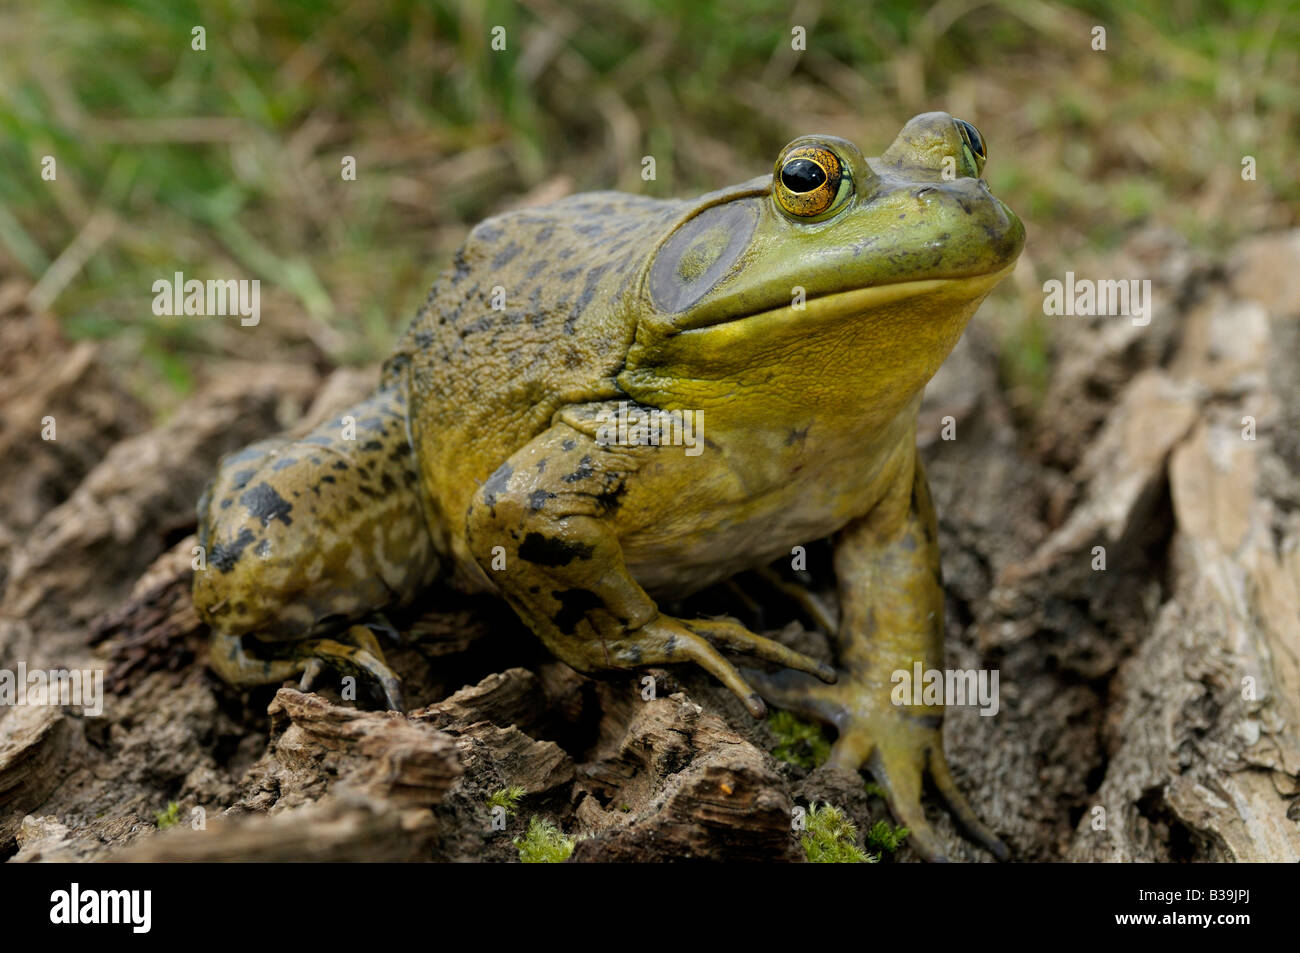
(535, 313)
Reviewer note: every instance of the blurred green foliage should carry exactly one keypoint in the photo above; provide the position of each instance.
(226, 161)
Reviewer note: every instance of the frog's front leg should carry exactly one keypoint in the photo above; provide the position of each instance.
(542, 529)
(891, 596)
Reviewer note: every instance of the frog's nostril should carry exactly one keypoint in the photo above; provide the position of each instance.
(924, 190)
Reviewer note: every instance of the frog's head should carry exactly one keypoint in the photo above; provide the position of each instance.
(840, 280)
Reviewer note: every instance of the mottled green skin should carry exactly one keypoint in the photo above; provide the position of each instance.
(481, 456)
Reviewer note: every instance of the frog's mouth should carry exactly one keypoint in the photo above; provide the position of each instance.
(860, 302)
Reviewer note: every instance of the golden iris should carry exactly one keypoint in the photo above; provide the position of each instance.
(808, 180)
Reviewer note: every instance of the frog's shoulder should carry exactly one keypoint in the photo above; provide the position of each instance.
(537, 303)
(541, 273)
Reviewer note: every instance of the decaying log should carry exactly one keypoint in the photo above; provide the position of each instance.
(677, 784)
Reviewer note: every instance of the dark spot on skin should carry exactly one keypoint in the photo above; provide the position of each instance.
(341, 465)
(537, 499)
(568, 276)
(423, 339)
(584, 471)
(908, 543)
(262, 549)
(372, 445)
(264, 503)
(487, 233)
(372, 424)
(461, 267)
(240, 479)
(327, 478)
(225, 556)
(549, 551)
(482, 324)
(566, 253)
(546, 233)
(541, 465)
(225, 504)
(609, 498)
(497, 483)
(534, 589)
(568, 444)
(590, 230)
(388, 483)
(574, 605)
(535, 269)
(797, 436)
(506, 255)
(632, 654)
(588, 291)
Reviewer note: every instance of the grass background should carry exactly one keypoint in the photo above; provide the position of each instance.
(226, 162)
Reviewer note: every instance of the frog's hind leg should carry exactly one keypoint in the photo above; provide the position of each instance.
(887, 564)
(304, 537)
(364, 656)
(236, 665)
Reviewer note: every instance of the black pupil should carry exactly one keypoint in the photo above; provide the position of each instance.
(802, 175)
(972, 137)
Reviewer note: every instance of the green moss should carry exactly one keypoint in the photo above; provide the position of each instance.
(797, 741)
(832, 838)
(874, 789)
(168, 818)
(885, 838)
(507, 798)
(544, 844)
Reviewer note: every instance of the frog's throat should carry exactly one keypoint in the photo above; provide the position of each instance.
(861, 301)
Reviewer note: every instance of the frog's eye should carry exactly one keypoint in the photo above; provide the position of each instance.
(810, 181)
(972, 140)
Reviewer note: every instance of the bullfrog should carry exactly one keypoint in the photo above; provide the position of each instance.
(773, 339)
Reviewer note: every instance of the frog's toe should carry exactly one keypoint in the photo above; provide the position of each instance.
(961, 809)
(731, 635)
(379, 623)
(799, 693)
(899, 775)
(310, 673)
(665, 640)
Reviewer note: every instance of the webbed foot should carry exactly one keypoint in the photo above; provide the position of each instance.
(898, 744)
